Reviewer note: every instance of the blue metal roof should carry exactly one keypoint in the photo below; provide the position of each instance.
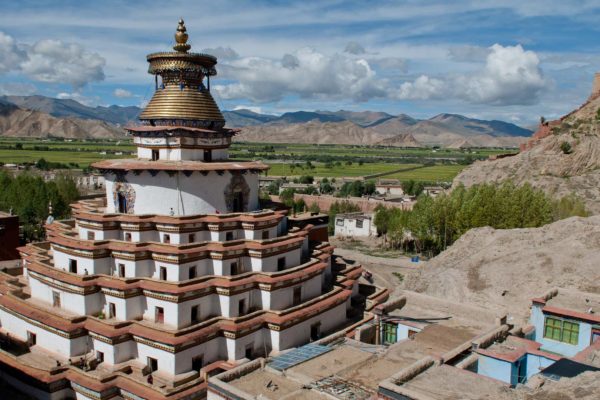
(298, 355)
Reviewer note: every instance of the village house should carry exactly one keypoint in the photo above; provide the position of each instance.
(355, 225)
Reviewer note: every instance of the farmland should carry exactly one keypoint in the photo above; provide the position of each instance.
(424, 164)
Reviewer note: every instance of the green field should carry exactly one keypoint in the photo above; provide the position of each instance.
(284, 159)
(82, 159)
(354, 170)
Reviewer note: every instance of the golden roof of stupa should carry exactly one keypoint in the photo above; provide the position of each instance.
(182, 94)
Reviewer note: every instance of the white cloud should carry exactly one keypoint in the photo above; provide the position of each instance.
(511, 76)
(11, 55)
(222, 53)
(468, 53)
(305, 73)
(78, 97)
(122, 93)
(254, 109)
(51, 61)
(354, 48)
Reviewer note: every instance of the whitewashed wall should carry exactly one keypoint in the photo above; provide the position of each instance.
(197, 194)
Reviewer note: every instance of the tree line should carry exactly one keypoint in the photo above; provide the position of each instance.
(435, 223)
(29, 196)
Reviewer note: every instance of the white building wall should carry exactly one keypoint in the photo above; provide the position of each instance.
(348, 227)
(196, 194)
(93, 266)
(47, 340)
(269, 264)
(75, 303)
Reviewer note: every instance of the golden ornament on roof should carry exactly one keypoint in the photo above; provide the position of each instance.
(181, 37)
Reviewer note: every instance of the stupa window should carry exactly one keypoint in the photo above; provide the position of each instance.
(159, 315)
(241, 307)
(229, 236)
(155, 155)
(72, 266)
(152, 364)
(192, 272)
(121, 270)
(265, 234)
(55, 299)
(112, 310)
(191, 238)
(163, 273)
(195, 314)
(91, 235)
(281, 264)
(166, 238)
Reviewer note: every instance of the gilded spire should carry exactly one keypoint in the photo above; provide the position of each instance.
(181, 38)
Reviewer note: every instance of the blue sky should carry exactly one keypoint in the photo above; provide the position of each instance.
(509, 60)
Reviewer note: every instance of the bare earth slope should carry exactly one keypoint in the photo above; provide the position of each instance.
(547, 167)
(504, 269)
(18, 122)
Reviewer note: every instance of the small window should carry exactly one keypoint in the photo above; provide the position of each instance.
(99, 357)
(72, 266)
(563, 331)
(281, 264)
(31, 338)
(265, 234)
(229, 236)
(55, 299)
(121, 270)
(315, 331)
(359, 223)
(155, 155)
(249, 353)
(127, 237)
(163, 273)
(197, 362)
(297, 298)
(192, 272)
(339, 222)
(191, 238)
(195, 314)
(159, 315)
(152, 364)
(234, 268)
(91, 235)
(166, 238)
(241, 307)
(112, 310)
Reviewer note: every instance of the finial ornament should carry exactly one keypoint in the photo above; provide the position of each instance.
(181, 38)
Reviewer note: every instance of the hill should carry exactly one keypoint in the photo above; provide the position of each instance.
(563, 158)
(504, 269)
(345, 132)
(70, 108)
(18, 122)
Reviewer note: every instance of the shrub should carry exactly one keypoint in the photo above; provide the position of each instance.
(566, 147)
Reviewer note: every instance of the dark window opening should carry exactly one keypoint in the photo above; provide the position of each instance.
(234, 268)
(195, 314)
(73, 266)
(297, 296)
(197, 363)
(265, 235)
(208, 155)
(155, 155)
(249, 353)
(281, 264)
(163, 273)
(152, 363)
(121, 270)
(241, 307)
(91, 235)
(192, 272)
(128, 237)
(99, 357)
(191, 238)
(112, 310)
(166, 238)
(159, 315)
(122, 203)
(229, 236)
(238, 202)
(315, 331)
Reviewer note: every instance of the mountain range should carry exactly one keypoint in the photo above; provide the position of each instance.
(40, 116)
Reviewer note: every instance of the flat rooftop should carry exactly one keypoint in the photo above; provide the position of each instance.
(576, 301)
(447, 382)
(270, 385)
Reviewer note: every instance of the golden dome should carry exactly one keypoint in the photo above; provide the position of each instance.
(172, 102)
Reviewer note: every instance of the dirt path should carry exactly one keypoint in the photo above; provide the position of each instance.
(382, 268)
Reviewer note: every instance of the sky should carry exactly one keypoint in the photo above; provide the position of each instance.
(512, 60)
